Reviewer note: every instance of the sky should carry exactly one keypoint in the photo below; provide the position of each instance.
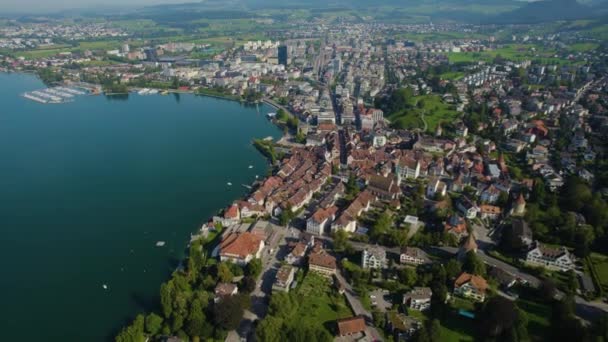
(37, 6)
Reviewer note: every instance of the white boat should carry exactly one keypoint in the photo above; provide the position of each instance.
(251, 166)
(144, 91)
(160, 243)
(105, 287)
(229, 184)
(271, 115)
(153, 92)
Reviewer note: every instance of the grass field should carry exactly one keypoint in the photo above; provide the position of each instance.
(600, 264)
(434, 110)
(538, 318)
(454, 328)
(319, 305)
(520, 52)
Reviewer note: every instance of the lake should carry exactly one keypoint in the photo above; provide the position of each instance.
(87, 188)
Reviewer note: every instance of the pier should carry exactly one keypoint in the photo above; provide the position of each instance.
(53, 95)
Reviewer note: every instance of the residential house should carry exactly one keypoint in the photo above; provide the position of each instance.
(322, 263)
(320, 220)
(436, 187)
(284, 278)
(418, 298)
(490, 212)
(297, 254)
(373, 257)
(456, 224)
(407, 167)
(471, 286)
(351, 326)
(223, 290)
(467, 207)
(413, 256)
(402, 327)
(241, 248)
(552, 258)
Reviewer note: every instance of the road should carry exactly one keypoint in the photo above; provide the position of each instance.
(272, 254)
(357, 307)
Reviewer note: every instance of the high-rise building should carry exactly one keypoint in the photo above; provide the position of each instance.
(282, 52)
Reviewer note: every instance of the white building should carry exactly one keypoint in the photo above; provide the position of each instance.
(374, 257)
(552, 258)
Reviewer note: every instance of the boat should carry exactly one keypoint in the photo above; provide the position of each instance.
(153, 92)
(105, 287)
(160, 243)
(271, 115)
(251, 166)
(164, 92)
(229, 184)
(256, 176)
(144, 91)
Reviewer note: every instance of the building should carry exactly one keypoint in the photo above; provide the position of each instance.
(241, 248)
(225, 290)
(282, 54)
(407, 167)
(552, 258)
(320, 220)
(384, 187)
(373, 257)
(467, 207)
(322, 263)
(436, 187)
(413, 256)
(350, 326)
(419, 298)
(402, 327)
(520, 206)
(490, 212)
(471, 286)
(296, 256)
(284, 278)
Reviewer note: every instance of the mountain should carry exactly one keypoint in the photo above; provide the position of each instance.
(543, 11)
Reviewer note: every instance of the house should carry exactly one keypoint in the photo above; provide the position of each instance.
(456, 224)
(297, 253)
(321, 220)
(384, 187)
(350, 326)
(490, 212)
(436, 187)
(402, 327)
(241, 248)
(471, 286)
(232, 214)
(505, 279)
(373, 257)
(407, 167)
(490, 194)
(284, 278)
(467, 207)
(419, 298)
(225, 290)
(552, 258)
(323, 263)
(412, 255)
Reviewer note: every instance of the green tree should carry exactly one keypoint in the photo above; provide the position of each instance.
(269, 329)
(452, 268)
(154, 324)
(134, 332)
(473, 264)
(408, 276)
(166, 300)
(381, 226)
(227, 314)
(196, 325)
(223, 272)
(498, 318)
(254, 268)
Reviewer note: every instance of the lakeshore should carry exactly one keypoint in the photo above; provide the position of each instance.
(92, 185)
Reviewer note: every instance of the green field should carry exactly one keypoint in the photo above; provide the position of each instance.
(320, 305)
(538, 318)
(433, 113)
(520, 52)
(600, 264)
(454, 328)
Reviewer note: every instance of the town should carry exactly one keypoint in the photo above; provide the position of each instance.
(423, 190)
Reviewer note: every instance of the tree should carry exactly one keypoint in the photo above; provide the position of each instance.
(547, 289)
(571, 282)
(352, 188)
(473, 264)
(134, 332)
(197, 325)
(254, 268)
(247, 284)
(408, 276)
(340, 242)
(227, 313)
(498, 318)
(381, 226)
(224, 273)
(452, 268)
(166, 301)
(269, 329)
(434, 331)
(153, 324)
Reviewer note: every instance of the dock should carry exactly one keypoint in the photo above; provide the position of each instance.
(53, 95)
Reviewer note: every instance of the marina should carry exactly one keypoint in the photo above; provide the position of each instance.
(54, 95)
